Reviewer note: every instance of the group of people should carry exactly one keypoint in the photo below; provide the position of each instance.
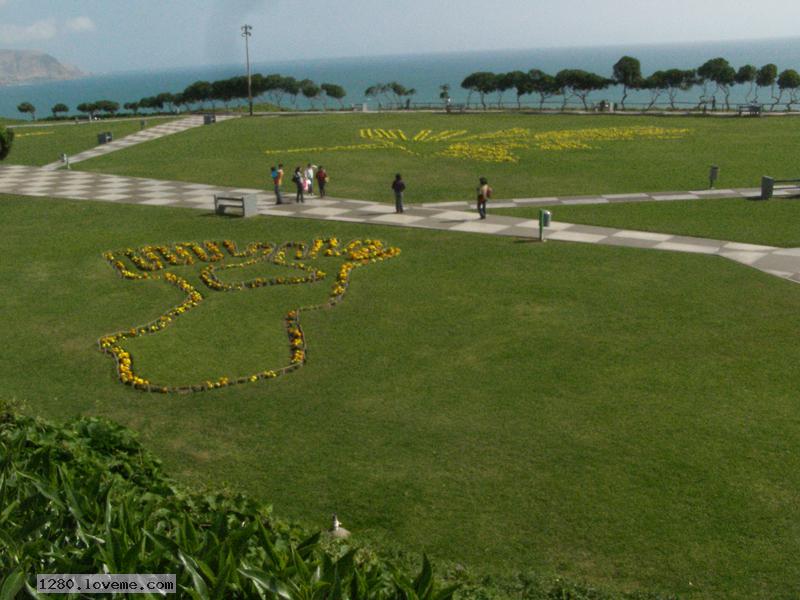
(303, 179)
(304, 183)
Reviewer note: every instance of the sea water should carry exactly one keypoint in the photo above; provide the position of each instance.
(424, 72)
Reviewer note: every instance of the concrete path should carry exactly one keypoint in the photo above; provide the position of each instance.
(617, 198)
(34, 181)
(145, 135)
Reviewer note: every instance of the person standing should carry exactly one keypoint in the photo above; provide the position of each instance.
(277, 179)
(322, 179)
(399, 186)
(299, 180)
(310, 177)
(484, 193)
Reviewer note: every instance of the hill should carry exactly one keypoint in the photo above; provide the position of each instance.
(28, 66)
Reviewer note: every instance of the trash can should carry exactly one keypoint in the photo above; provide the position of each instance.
(104, 138)
(209, 119)
(713, 175)
(767, 187)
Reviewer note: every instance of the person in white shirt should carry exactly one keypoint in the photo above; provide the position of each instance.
(309, 173)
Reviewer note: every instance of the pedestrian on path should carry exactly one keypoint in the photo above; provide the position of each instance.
(322, 179)
(310, 177)
(484, 193)
(299, 181)
(399, 186)
(277, 180)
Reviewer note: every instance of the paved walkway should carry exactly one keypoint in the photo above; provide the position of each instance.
(151, 133)
(33, 181)
(617, 198)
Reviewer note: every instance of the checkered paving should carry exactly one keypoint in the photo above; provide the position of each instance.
(615, 198)
(146, 135)
(34, 181)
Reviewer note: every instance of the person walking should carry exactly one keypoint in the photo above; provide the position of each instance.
(322, 179)
(277, 180)
(484, 193)
(310, 178)
(299, 181)
(399, 186)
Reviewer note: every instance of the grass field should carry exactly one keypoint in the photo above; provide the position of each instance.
(627, 418)
(41, 144)
(555, 154)
(774, 223)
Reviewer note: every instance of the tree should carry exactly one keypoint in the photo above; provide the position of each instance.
(721, 73)
(223, 91)
(334, 91)
(502, 83)
(151, 102)
(523, 84)
(628, 74)
(747, 74)
(134, 106)
(89, 108)
(6, 140)
(767, 76)
(168, 99)
(444, 92)
(310, 90)
(292, 87)
(199, 92)
(482, 82)
(542, 84)
(107, 106)
(789, 81)
(59, 108)
(376, 91)
(656, 84)
(674, 81)
(273, 88)
(576, 82)
(27, 107)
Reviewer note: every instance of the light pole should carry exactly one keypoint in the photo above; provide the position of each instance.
(246, 33)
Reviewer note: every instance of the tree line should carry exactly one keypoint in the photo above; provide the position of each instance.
(715, 76)
(276, 88)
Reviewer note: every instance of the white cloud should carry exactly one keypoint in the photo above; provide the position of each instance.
(40, 30)
(78, 24)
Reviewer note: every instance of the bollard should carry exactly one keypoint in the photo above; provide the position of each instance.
(713, 175)
(544, 221)
(767, 187)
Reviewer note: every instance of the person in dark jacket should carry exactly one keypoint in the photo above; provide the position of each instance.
(398, 186)
(298, 179)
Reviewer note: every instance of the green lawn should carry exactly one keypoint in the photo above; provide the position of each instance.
(233, 153)
(41, 144)
(622, 417)
(775, 222)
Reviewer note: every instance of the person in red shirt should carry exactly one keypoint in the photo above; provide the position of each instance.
(322, 179)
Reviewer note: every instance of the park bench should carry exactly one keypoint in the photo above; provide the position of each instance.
(749, 110)
(768, 186)
(248, 204)
(450, 108)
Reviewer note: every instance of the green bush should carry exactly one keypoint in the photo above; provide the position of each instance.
(6, 139)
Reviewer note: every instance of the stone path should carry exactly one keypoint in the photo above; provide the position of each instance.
(151, 133)
(79, 185)
(617, 198)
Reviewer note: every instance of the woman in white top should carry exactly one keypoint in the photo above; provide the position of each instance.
(309, 173)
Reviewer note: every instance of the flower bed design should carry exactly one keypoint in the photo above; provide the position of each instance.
(152, 261)
(495, 146)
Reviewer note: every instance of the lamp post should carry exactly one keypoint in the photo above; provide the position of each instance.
(246, 33)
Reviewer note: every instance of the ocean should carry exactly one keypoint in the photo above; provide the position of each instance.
(424, 72)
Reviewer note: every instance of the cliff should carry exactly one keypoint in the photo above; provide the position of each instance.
(29, 66)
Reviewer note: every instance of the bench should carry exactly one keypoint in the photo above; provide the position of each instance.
(455, 108)
(768, 186)
(749, 110)
(247, 203)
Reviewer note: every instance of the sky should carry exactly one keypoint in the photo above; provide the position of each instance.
(102, 36)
